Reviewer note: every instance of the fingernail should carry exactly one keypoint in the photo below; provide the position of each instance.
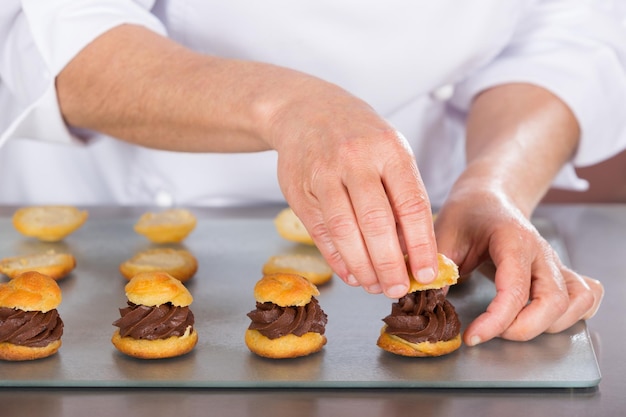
(374, 289)
(351, 280)
(397, 291)
(425, 275)
(474, 340)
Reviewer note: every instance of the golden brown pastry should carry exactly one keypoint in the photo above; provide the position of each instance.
(55, 265)
(424, 322)
(30, 326)
(448, 275)
(290, 227)
(48, 223)
(169, 226)
(179, 263)
(288, 321)
(314, 268)
(143, 332)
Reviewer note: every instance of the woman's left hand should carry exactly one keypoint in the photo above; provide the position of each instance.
(535, 292)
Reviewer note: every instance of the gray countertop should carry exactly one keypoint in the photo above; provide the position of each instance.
(595, 239)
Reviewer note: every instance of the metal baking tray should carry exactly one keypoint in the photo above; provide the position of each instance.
(231, 252)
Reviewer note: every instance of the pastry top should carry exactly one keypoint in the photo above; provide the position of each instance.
(48, 223)
(179, 263)
(55, 265)
(285, 290)
(156, 288)
(290, 227)
(448, 275)
(312, 267)
(168, 226)
(30, 291)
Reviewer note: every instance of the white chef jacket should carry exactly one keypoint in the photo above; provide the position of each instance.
(419, 64)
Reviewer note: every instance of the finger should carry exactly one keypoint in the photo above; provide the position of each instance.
(377, 224)
(464, 252)
(413, 214)
(549, 300)
(342, 238)
(512, 293)
(597, 290)
(325, 245)
(581, 300)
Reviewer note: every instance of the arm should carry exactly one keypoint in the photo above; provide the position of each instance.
(346, 173)
(518, 138)
(138, 86)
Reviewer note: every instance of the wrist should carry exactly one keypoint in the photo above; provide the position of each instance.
(485, 185)
(518, 138)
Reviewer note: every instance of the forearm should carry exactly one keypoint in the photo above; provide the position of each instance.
(518, 138)
(138, 86)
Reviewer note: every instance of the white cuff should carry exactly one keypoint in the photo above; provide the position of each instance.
(41, 120)
(567, 179)
(59, 30)
(578, 53)
(62, 28)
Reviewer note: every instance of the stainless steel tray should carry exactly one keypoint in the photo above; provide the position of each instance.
(231, 252)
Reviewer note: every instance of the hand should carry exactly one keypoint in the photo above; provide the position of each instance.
(535, 292)
(352, 180)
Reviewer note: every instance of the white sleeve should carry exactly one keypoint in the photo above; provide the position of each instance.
(577, 50)
(37, 40)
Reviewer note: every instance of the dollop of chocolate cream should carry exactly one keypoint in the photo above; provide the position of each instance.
(153, 322)
(30, 328)
(274, 321)
(423, 316)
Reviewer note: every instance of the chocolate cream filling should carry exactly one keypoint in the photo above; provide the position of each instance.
(274, 321)
(423, 316)
(154, 322)
(30, 328)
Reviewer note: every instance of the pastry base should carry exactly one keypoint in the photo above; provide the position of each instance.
(399, 346)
